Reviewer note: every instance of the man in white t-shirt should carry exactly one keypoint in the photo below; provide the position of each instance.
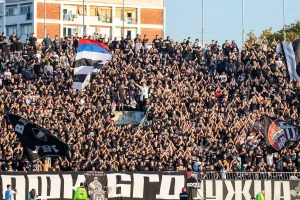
(144, 90)
(7, 74)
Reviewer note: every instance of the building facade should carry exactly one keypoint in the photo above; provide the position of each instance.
(65, 18)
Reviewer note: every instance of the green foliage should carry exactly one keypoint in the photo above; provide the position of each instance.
(251, 37)
(292, 33)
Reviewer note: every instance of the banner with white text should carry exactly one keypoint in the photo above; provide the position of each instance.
(144, 185)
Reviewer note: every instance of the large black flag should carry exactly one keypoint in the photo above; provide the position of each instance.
(278, 132)
(37, 141)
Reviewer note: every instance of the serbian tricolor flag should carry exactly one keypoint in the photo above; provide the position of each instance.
(90, 56)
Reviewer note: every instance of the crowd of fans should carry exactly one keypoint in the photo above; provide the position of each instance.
(204, 105)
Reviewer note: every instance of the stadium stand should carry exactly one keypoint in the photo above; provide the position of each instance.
(204, 105)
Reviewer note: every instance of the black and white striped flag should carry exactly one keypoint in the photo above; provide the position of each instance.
(292, 56)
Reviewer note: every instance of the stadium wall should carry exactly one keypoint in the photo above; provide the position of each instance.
(145, 185)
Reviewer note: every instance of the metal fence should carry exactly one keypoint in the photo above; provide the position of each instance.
(248, 175)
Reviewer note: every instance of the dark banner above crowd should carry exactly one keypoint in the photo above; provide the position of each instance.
(278, 133)
(37, 142)
(144, 186)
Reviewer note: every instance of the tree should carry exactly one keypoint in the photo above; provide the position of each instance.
(251, 37)
(292, 33)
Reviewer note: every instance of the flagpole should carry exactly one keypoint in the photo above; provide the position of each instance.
(284, 28)
(45, 19)
(83, 19)
(4, 16)
(243, 31)
(123, 31)
(203, 23)
(163, 35)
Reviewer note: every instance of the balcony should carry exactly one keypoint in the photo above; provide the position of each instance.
(104, 19)
(78, 19)
(130, 20)
(29, 16)
(127, 21)
(18, 19)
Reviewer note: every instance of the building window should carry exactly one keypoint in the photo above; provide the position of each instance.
(130, 15)
(1, 10)
(25, 9)
(104, 14)
(11, 11)
(81, 11)
(104, 31)
(10, 30)
(69, 31)
(93, 11)
(69, 14)
(26, 29)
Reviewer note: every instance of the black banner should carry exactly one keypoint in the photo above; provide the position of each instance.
(149, 186)
(130, 185)
(278, 132)
(37, 141)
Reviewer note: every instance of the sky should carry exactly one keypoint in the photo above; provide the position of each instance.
(223, 18)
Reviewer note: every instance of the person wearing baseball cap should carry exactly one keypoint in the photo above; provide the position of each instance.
(183, 195)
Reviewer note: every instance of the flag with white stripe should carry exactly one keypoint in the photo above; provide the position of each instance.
(289, 53)
(296, 48)
(90, 56)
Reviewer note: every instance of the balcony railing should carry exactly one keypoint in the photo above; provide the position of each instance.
(104, 19)
(130, 20)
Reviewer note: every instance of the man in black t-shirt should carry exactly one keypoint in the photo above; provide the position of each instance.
(168, 41)
(13, 40)
(32, 41)
(75, 41)
(3, 42)
(137, 38)
(145, 40)
(18, 46)
(157, 42)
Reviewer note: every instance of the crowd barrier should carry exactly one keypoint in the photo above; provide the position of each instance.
(151, 185)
